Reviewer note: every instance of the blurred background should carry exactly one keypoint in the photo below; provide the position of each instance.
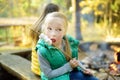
(89, 20)
(95, 23)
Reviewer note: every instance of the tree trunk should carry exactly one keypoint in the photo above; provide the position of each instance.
(76, 18)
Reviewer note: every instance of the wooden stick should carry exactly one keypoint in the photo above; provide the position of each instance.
(109, 74)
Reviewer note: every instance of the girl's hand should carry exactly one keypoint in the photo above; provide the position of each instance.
(87, 72)
(74, 63)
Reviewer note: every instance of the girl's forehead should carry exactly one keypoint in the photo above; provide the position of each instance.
(54, 21)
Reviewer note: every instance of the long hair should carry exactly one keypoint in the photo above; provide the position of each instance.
(67, 51)
(35, 29)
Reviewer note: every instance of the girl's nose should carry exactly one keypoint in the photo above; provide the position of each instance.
(53, 33)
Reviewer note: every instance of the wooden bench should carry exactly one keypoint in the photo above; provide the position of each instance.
(17, 52)
(18, 67)
(26, 53)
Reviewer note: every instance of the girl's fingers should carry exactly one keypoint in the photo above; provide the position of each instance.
(73, 63)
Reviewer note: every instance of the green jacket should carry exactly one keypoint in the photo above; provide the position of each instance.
(55, 57)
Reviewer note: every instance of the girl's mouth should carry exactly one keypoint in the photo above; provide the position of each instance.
(53, 40)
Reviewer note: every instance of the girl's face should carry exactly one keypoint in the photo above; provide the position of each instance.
(55, 30)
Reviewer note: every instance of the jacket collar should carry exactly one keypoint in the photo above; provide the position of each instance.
(43, 43)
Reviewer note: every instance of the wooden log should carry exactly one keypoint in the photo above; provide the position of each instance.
(22, 52)
(18, 66)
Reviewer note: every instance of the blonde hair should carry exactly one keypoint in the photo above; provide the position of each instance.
(60, 15)
(55, 15)
(35, 29)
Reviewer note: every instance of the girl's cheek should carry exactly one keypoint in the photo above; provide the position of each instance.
(47, 32)
(60, 37)
(48, 35)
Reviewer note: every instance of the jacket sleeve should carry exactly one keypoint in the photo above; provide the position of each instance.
(49, 73)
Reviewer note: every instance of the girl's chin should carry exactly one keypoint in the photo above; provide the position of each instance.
(54, 44)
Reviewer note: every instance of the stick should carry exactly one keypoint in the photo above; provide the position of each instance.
(109, 74)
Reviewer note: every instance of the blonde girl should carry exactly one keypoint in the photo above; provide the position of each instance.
(59, 60)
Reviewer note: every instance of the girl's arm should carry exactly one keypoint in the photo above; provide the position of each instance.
(45, 67)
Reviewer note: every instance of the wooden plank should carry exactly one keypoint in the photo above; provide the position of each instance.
(26, 53)
(18, 66)
(7, 22)
(21, 52)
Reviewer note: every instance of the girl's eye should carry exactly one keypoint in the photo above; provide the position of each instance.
(49, 28)
(59, 29)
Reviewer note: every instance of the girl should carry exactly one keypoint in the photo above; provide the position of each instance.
(58, 55)
(34, 34)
